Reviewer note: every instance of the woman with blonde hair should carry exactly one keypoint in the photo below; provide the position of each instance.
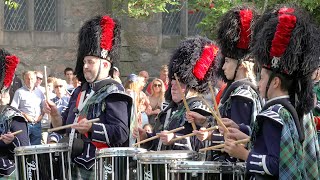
(133, 87)
(156, 99)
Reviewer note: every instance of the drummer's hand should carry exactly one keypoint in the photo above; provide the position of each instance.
(236, 150)
(195, 117)
(201, 134)
(142, 133)
(82, 126)
(50, 107)
(7, 138)
(235, 134)
(228, 123)
(166, 137)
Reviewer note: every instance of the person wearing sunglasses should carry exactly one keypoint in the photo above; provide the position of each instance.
(39, 79)
(156, 99)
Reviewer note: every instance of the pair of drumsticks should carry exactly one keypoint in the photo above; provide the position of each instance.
(217, 117)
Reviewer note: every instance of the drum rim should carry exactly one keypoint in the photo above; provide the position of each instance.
(165, 155)
(207, 167)
(119, 152)
(41, 149)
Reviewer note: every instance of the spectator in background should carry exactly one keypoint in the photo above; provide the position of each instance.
(163, 76)
(68, 74)
(133, 87)
(16, 84)
(61, 100)
(145, 75)
(39, 80)
(156, 99)
(115, 74)
(28, 100)
(148, 128)
(50, 82)
(75, 83)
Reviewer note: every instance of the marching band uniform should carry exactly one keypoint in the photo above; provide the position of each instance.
(173, 116)
(284, 141)
(240, 100)
(194, 64)
(11, 119)
(104, 98)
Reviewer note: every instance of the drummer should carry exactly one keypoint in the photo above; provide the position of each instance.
(11, 118)
(240, 100)
(98, 97)
(284, 141)
(193, 63)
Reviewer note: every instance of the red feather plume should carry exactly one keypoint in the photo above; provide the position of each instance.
(207, 57)
(286, 24)
(245, 30)
(11, 65)
(107, 26)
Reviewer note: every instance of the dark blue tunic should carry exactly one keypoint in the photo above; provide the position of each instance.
(113, 127)
(11, 118)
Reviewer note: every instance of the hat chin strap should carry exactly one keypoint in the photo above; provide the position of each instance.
(236, 70)
(272, 76)
(99, 70)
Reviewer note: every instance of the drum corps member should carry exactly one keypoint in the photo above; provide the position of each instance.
(98, 97)
(11, 119)
(284, 142)
(240, 100)
(194, 64)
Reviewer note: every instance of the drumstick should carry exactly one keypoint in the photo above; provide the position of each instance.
(214, 100)
(218, 119)
(69, 125)
(242, 141)
(192, 134)
(158, 136)
(184, 100)
(46, 83)
(14, 133)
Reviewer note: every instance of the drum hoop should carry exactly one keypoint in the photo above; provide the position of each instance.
(119, 151)
(159, 156)
(41, 149)
(206, 167)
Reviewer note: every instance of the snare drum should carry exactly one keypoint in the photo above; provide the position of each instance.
(206, 170)
(49, 162)
(155, 165)
(117, 163)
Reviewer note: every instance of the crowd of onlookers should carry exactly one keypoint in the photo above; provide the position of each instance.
(28, 96)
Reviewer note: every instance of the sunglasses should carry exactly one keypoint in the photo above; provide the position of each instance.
(157, 85)
(59, 86)
(39, 78)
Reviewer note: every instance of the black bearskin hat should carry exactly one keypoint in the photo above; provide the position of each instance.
(234, 31)
(286, 42)
(8, 65)
(98, 37)
(234, 34)
(194, 62)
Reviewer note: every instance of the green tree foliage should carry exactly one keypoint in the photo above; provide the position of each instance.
(213, 9)
(143, 8)
(11, 4)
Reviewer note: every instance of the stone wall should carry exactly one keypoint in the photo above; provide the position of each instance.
(143, 46)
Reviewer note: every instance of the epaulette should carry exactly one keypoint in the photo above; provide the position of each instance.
(245, 91)
(196, 103)
(273, 113)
